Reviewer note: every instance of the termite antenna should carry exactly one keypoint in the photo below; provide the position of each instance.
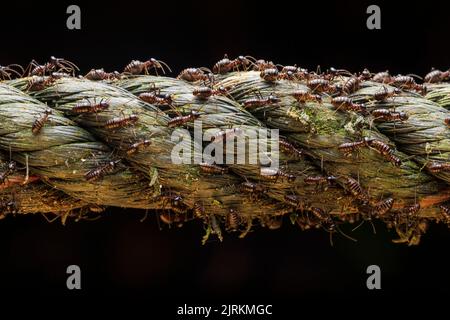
(345, 235)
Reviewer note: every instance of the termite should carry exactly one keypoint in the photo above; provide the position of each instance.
(383, 207)
(447, 121)
(252, 103)
(355, 189)
(212, 168)
(320, 86)
(137, 67)
(290, 149)
(275, 174)
(351, 85)
(348, 147)
(380, 147)
(320, 180)
(269, 75)
(116, 123)
(304, 96)
(384, 93)
(90, 107)
(382, 77)
(412, 210)
(346, 103)
(445, 212)
(194, 74)
(100, 74)
(387, 115)
(181, 120)
(233, 220)
(436, 76)
(206, 92)
(226, 135)
(261, 65)
(156, 99)
(40, 122)
(436, 167)
(101, 171)
(37, 83)
(138, 146)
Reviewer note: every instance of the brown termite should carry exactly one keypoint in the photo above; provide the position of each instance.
(101, 74)
(101, 171)
(206, 92)
(321, 86)
(261, 65)
(121, 122)
(365, 75)
(436, 76)
(436, 167)
(412, 210)
(252, 103)
(348, 147)
(445, 212)
(381, 147)
(275, 174)
(233, 220)
(404, 82)
(382, 77)
(37, 83)
(226, 135)
(295, 201)
(383, 207)
(386, 115)
(41, 121)
(254, 189)
(138, 146)
(355, 189)
(304, 96)
(320, 180)
(226, 65)
(199, 210)
(384, 94)
(210, 168)
(181, 120)
(138, 67)
(290, 149)
(215, 227)
(351, 85)
(269, 75)
(346, 103)
(195, 74)
(90, 107)
(156, 98)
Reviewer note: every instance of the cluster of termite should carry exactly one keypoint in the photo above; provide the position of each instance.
(319, 85)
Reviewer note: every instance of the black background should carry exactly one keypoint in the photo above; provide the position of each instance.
(119, 256)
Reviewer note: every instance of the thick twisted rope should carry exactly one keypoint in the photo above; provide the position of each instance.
(55, 164)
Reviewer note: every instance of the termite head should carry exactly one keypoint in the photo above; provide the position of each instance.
(403, 116)
(134, 117)
(273, 99)
(222, 90)
(48, 111)
(397, 91)
(291, 178)
(12, 165)
(195, 114)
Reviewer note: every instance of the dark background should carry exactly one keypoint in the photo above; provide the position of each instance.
(119, 256)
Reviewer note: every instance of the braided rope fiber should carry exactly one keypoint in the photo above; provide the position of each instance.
(353, 148)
